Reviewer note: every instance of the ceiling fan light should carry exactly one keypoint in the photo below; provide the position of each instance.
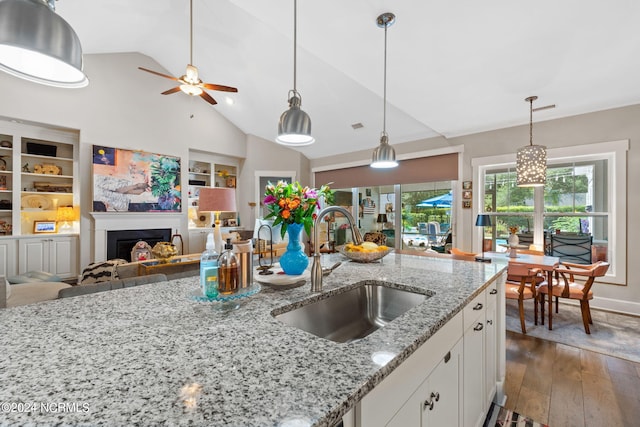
(294, 127)
(38, 45)
(191, 90)
(384, 156)
(531, 166)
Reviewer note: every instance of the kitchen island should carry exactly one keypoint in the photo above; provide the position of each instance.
(152, 355)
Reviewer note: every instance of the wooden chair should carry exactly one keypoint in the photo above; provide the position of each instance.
(521, 285)
(568, 288)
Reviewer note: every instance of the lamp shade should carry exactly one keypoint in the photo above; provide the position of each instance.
(65, 213)
(531, 166)
(38, 45)
(294, 127)
(217, 200)
(483, 220)
(384, 156)
(382, 218)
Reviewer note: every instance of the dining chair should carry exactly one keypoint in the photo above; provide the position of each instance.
(521, 285)
(456, 251)
(567, 287)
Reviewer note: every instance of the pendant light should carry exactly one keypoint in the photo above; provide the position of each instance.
(384, 156)
(294, 127)
(531, 160)
(38, 45)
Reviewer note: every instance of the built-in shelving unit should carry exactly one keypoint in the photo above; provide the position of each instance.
(208, 170)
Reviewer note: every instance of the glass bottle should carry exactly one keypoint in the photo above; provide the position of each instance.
(228, 271)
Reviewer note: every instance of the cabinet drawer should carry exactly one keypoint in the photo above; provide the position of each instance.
(475, 308)
(491, 294)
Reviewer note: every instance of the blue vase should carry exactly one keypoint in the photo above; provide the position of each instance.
(294, 261)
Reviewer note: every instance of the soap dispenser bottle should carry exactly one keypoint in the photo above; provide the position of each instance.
(209, 269)
(228, 270)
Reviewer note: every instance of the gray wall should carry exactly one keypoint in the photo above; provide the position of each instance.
(610, 125)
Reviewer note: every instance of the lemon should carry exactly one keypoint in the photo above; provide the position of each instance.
(369, 246)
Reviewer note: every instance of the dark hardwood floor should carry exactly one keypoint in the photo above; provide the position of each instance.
(566, 386)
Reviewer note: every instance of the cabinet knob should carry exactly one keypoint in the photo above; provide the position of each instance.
(489, 322)
(429, 403)
(493, 291)
(478, 306)
(478, 327)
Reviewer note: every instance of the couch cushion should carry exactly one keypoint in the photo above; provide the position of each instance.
(29, 293)
(34, 276)
(101, 271)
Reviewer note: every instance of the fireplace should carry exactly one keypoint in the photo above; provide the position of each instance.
(121, 242)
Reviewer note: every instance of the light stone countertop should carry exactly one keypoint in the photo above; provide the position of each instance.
(122, 357)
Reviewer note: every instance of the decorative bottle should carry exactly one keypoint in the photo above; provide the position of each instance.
(209, 269)
(228, 270)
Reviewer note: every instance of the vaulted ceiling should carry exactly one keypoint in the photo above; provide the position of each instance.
(454, 67)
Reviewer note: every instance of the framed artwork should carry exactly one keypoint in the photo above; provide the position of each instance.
(466, 204)
(466, 194)
(466, 185)
(368, 192)
(135, 181)
(232, 222)
(44, 226)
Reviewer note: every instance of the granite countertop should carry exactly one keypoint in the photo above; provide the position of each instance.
(132, 356)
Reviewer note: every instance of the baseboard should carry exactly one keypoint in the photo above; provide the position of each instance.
(609, 304)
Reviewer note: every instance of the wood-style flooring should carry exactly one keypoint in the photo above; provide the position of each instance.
(563, 386)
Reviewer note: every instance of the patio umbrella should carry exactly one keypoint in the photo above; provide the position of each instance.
(441, 201)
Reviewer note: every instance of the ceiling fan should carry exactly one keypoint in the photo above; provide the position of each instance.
(190, 83)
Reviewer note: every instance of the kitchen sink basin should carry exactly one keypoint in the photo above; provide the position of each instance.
(352, 314)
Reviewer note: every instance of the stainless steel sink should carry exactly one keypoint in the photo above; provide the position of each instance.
(352, 314)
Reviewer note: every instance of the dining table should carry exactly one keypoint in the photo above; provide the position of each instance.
(546, 263)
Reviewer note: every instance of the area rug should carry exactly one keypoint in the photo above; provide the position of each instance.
(501, 417)
(611, 334)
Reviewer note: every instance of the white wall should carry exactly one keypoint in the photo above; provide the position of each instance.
(610, 125)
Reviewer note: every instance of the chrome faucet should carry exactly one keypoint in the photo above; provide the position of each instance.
(316, 268)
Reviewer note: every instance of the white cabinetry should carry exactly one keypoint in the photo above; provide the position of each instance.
(399, 398)
(491, 343)
(198, 240)
(53, 254)
(7, 257)
(474, 363)
(437, 401)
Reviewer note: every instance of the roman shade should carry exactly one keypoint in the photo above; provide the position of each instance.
(411, 171)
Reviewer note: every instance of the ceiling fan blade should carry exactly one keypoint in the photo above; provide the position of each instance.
(204, 95)
(158, 74)
(219, 87)
(172, 90)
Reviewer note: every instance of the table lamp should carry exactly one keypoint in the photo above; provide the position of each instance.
(382, 219)
(64, 215)
(217, 200)
(483, 220)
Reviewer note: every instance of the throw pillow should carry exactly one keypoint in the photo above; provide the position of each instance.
(101, 271)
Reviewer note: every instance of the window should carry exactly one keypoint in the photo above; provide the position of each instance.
(585, 194)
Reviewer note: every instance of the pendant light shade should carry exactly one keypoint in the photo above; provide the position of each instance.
(38, 45)
(531, 160)
(384, 156)
(294, 127)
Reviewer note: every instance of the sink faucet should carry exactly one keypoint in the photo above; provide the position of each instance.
(316, 268)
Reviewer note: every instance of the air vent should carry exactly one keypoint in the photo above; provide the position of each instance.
(357, 126)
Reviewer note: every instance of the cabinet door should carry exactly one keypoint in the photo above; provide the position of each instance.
(436, 402)
(63, 256)
(474, 365)
(198, 241)
(33, 255)
(441, 403)
(491, 361)
(7, 258)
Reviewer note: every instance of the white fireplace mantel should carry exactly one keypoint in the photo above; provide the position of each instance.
(112, 221)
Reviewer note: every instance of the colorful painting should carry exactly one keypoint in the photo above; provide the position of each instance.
(135, 181)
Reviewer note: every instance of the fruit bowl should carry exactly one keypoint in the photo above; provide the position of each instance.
(364, 256)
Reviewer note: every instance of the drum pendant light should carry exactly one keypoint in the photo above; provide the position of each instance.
(531, 160)
(294, 127)
(384, 156)
(38, 45)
